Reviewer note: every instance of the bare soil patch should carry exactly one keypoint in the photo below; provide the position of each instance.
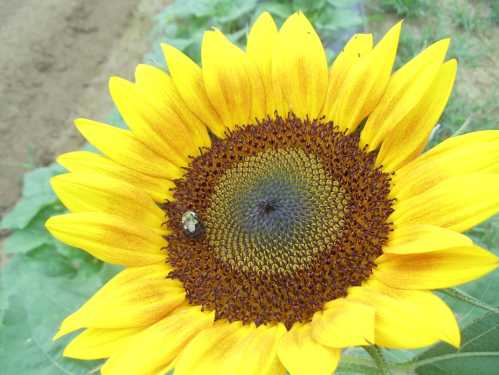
(55, 60)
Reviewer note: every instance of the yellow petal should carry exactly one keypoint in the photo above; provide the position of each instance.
(366, 82)
(407, 88)
(156, 347)
(188, 79)
(435, 270)
(356, 48)
(261, 42)
(97, 343)
(122, 147)
(206, 353)
(226, 78)
(109, 237)
(415, 129)
(302, 355)
(83, 161)
(344, 323)
(408, 319)
(135, 297)
(163, 95)
(161, 130)
(423, 238)
(81, 192)
(256, 354)
(457, 156)
(458, 203)
(299, 67)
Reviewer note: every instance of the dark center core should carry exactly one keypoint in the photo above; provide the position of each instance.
(293, 214)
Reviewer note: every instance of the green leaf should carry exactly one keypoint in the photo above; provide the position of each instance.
(33, 235)
(37, 181)
(280, 10)
(462, 296)
(23, 241)
(37, 194)
(335, 19)
(25, 210)
(479, 352)
(234, 10)
(37, 305)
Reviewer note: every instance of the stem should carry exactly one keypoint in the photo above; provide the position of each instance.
(351, 363)
(463, 127)
(460, 295)
(378, 358)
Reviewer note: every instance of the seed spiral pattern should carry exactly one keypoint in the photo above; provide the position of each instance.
(293, 214)
(266, 211)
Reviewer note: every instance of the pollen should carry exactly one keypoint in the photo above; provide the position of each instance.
(276, 219)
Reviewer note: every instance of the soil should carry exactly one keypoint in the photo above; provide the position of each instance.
(55, 60)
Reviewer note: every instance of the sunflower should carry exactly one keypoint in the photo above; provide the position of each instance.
(270, 210)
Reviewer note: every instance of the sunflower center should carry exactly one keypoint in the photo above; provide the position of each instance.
(293, 213)
(265, 210)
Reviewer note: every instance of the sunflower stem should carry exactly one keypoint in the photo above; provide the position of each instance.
(464, 127)
(350, 363)
(378, 358)
(460, 295)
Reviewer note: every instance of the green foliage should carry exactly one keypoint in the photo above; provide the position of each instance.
(494, 12)
(44, 280)
(182, 24)
(406, 8)
(465, 17)
(38, 291)
(36, 195)
(479, 352)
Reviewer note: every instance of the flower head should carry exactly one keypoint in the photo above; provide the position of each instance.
(271, 211)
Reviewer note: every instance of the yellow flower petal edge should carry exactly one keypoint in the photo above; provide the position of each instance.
(159, 89)
(418, 124)
(355, 49)
(406, 88)
(97, 343)
(261, 41)
(140, 296)
(261, 346)
(156, 347)
(188, 79)
(457, 203)
(109, 237)
(299, 66)
(207, 352)
(343, 323)
(88, 162)
(366, 82)
(435, 270)
(87, 192)
(227, 79)
(476, 152)
(423, 238)
(162, 130)
(302, 355)
(122, 147)
(408, 319)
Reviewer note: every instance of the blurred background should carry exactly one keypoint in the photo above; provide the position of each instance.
(55, 60)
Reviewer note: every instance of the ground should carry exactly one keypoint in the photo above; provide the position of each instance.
(55, 60)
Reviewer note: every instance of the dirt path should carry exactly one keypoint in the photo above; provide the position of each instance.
(55, 59)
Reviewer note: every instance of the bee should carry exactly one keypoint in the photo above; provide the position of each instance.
(192, 225)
